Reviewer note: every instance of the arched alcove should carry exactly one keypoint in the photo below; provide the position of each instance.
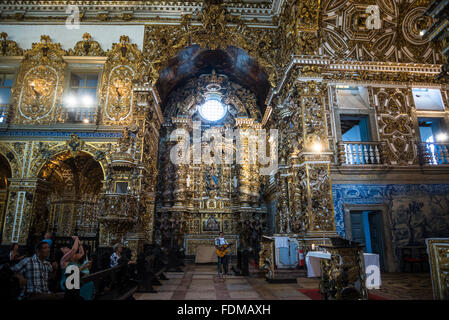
(197, 200)
(66, 195)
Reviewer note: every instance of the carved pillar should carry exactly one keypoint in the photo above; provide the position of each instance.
(167, 196)
(150, 119)
(244, 170)
(180, 172)
(255, 182)
(305, 192)
(283, 204)
(314, 159)
(18, 216)
(179, 193)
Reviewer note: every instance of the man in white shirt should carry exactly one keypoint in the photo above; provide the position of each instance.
(219, 243)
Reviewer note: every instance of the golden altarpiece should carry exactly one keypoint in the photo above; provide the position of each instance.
(201, 198)
(279, 71)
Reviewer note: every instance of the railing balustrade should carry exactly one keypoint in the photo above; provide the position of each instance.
(3, 113)
(79, 115)
(360, 153)
(432, 153)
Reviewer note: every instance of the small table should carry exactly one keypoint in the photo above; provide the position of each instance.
(313, 262)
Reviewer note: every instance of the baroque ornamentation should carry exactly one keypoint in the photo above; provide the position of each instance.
(39, 84)
(124, 65)
(13, 156)
(75, 144)
(86, 47)
(395, 124)
(9, 47)
(218, 30)
(439, 264)
(345, 35)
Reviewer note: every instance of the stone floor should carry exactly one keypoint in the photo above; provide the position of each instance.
(405, 286)
(200, 282)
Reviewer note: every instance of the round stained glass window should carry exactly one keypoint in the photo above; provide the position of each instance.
(212, 109)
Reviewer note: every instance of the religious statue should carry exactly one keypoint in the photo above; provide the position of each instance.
(211, 224)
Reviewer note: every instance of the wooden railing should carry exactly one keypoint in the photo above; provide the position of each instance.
(431, 153)
(360, 153)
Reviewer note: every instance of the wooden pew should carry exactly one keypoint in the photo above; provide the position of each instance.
(112, 284)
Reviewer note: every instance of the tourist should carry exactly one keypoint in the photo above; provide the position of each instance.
(70, 256)
(47, 238)
(69, 253)
(81, 259)
(14, 255)
(222, 253)
(115, 257)
(35, 272)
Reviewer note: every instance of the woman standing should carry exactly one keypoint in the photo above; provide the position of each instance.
(68, 259)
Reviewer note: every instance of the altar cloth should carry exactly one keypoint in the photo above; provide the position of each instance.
(205, 254)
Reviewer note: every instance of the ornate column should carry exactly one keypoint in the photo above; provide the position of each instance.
(283, 203)
(19, 212)
(180, 169)
(244, 170)
(167, 196)
(304, 188)
(313, 159)
(149, 117)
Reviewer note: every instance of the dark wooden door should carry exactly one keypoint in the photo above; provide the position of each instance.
(357, 231)
(375, 227)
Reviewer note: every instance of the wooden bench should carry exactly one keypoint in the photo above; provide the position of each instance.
(112, 284)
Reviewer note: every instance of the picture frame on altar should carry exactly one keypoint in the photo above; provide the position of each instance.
(211, 224)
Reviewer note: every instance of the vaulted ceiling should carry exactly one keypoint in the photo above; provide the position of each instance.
(233, 62)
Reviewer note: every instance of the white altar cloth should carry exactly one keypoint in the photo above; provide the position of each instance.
(313, 262)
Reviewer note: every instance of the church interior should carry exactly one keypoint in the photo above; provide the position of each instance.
(314, 135)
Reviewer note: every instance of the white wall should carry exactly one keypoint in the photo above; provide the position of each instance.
(427, 99)
(25, 35)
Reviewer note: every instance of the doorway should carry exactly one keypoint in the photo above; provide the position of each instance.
(366, 229)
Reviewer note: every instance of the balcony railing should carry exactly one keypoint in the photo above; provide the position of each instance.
(3, 113)
(432, 153)
(360, 153)
(79, 115)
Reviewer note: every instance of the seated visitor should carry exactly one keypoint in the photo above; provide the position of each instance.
(115, 257)
(35, 272)
(118, 258)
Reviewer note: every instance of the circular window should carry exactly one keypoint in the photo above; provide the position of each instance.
(213, 109)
